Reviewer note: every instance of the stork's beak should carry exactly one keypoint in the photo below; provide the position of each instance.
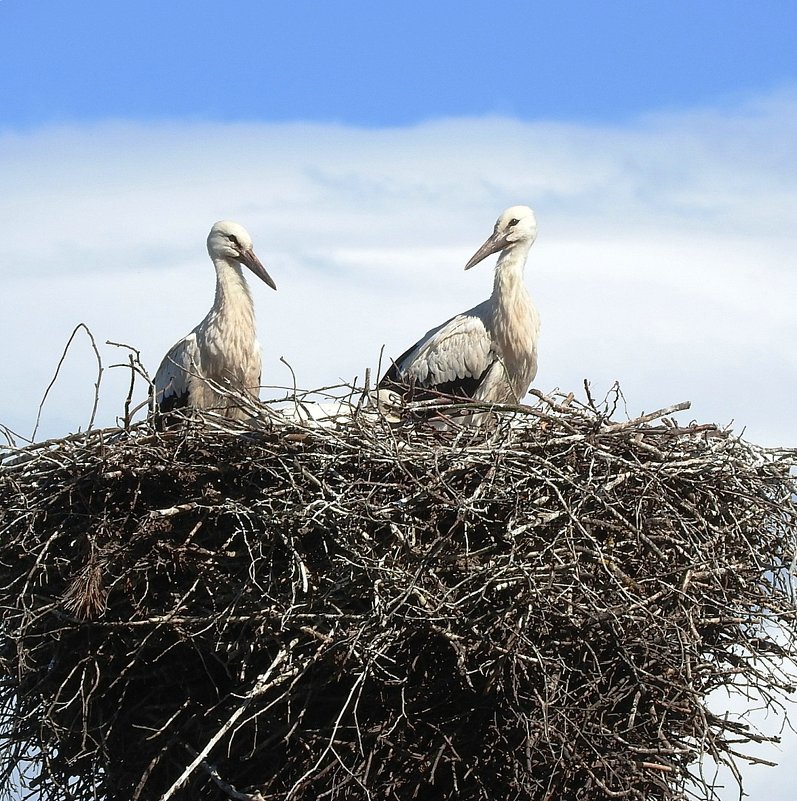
(249, 258)
(495, 243)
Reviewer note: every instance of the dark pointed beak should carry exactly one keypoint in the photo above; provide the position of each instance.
(495, 243)
(249, 258)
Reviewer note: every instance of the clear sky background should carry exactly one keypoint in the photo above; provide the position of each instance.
(378, 64)
(368, 148)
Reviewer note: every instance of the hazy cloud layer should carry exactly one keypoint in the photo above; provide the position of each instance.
(665, 256)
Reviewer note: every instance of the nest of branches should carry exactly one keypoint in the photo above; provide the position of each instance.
(538, 608)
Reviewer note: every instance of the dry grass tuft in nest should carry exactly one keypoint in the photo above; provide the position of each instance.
(534, 610)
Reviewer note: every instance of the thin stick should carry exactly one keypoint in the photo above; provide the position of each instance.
(646, 418)
(261, 686)
(58, 370)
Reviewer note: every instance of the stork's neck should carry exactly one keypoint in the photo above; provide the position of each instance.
(509, 273)
(233, 298)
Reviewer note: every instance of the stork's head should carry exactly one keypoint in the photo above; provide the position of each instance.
(229, 240)
(517, 225)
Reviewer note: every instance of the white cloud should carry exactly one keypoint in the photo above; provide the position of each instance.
(665, 258)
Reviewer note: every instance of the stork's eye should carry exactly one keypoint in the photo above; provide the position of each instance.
(513, 221)
(234, 239)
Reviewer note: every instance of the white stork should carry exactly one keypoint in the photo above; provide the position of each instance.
(222, 353)
(488, 353)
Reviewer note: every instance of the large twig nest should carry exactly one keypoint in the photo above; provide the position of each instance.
(536, 609)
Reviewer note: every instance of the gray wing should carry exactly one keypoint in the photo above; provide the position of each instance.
(174, 377)
(454, 357)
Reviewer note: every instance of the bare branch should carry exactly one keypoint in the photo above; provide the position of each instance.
(77, 328)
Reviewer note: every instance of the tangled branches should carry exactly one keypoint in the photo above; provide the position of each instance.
(534, 610)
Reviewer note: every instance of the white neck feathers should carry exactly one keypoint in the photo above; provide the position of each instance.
(233, 298)
(509, 271)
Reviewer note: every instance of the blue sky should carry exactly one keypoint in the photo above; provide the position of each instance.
(384, 63)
